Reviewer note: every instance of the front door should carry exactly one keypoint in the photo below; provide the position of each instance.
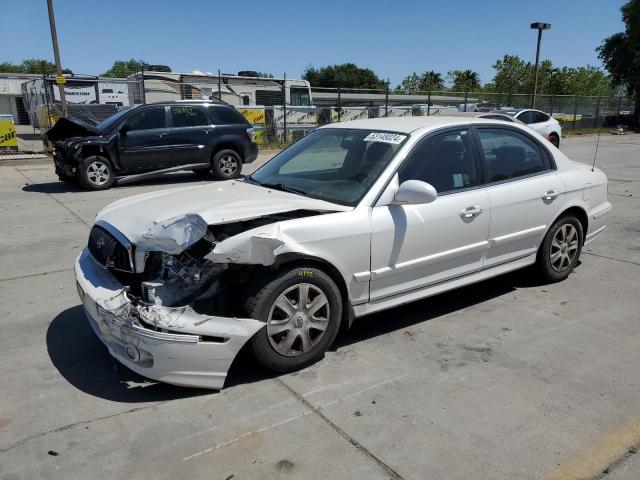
(524, 190)
(413, 246)
(145, 143)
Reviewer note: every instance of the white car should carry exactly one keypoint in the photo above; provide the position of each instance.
(354, 218)
(544, 124)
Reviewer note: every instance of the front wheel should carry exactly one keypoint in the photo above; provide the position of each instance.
(302, 308)
(226, 164)
(560, 249)
(96, 173)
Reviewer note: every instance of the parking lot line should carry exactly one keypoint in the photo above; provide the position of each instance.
(595, 460)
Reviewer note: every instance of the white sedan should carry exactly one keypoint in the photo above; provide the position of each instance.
(355, 218)
(544, 124)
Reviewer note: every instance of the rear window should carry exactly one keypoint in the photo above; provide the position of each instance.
(226, 116)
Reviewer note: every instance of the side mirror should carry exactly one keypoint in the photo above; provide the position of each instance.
(413, 192)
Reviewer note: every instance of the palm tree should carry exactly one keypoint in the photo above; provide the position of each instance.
(432, 81)
(465, 80)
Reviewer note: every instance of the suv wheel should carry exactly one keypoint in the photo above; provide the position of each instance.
(302, 308)
(96, 173)
(226, 164)
(560, 249)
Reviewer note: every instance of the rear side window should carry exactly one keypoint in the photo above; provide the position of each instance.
(147, 119)
(226, 116)
(445, 161)
(188, 116)
(504, 118)
(526, 117)
(509, 154)
(539, 117)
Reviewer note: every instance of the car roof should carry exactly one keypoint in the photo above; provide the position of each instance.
(187, 102)
(408, 124)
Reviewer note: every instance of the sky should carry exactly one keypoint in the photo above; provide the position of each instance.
(392, 38)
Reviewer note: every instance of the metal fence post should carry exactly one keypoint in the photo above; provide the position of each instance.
(618, 111)
(466, 96)
(499, 99)
(284, 104)
(429, 101)
(386, 99)
(597, 113)
(339, 100)
(575, 113)
(219, 86)
(144, 94)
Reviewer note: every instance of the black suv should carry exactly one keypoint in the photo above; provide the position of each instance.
(154, 138)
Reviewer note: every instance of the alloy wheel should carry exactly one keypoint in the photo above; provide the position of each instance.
(98, 173)
(298, 319)
(564, 247)
(228, 165)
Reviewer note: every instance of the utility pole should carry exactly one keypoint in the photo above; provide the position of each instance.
(56, 53)
(540, 26)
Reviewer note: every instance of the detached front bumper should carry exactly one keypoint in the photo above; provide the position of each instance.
(172, 345)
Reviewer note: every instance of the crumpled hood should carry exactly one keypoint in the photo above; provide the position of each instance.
(71, 127)
(171, 220)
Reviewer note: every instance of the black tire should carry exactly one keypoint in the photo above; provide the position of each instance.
(259, 305)
(555, 139)
(545, 264)
(88, 175)
(226, 164)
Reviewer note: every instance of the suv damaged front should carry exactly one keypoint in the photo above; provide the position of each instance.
(73, 139)
(165, 295)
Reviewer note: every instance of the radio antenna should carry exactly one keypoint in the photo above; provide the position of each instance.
(593, 167)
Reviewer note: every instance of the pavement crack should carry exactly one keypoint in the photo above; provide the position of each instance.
(73, 425)
(612, 258)
(361, 448)
(35, 274)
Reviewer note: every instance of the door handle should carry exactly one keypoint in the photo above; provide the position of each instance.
(550, 195)
(162, 135)
(207, 130)
(470, 212)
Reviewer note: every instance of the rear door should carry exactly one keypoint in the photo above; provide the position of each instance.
(144, 141)
(524, 190)
(191, 132)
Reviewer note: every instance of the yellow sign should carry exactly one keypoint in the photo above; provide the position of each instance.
(255, 116)
(60, 80)
(8, 134)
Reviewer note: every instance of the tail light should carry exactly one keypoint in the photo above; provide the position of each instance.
(250, 133)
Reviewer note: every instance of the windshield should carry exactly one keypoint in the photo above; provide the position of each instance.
(110, 122)
(337, 165)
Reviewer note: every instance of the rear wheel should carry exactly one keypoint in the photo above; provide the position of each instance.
(96, 173)
(302, 308)
(560, 249)
(555, 139)
(226, 164)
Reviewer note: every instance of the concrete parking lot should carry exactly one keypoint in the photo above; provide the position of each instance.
(506, 379)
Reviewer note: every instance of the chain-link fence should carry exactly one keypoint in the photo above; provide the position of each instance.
(283, 110)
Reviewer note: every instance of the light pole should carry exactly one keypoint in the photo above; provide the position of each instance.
(56, 53)
(540, 26)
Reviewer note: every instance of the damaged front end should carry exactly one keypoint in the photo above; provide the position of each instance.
(167, 301)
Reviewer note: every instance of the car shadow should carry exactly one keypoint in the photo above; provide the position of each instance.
(166, 179)
(85, 363)
(83, 360)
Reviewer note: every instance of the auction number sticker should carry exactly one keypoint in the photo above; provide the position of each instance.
(385, 137)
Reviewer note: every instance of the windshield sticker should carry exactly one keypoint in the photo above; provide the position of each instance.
(385, 137)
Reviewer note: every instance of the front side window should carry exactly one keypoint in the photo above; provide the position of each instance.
(509, 154)
(147, 119)
(445, 161)
(338, 165)
(188, 116)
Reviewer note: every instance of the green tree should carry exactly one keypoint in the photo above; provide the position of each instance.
(620, 54)
(464, 80)
(30, 65)
(124, 68)
(346, 75)
(422, 82)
